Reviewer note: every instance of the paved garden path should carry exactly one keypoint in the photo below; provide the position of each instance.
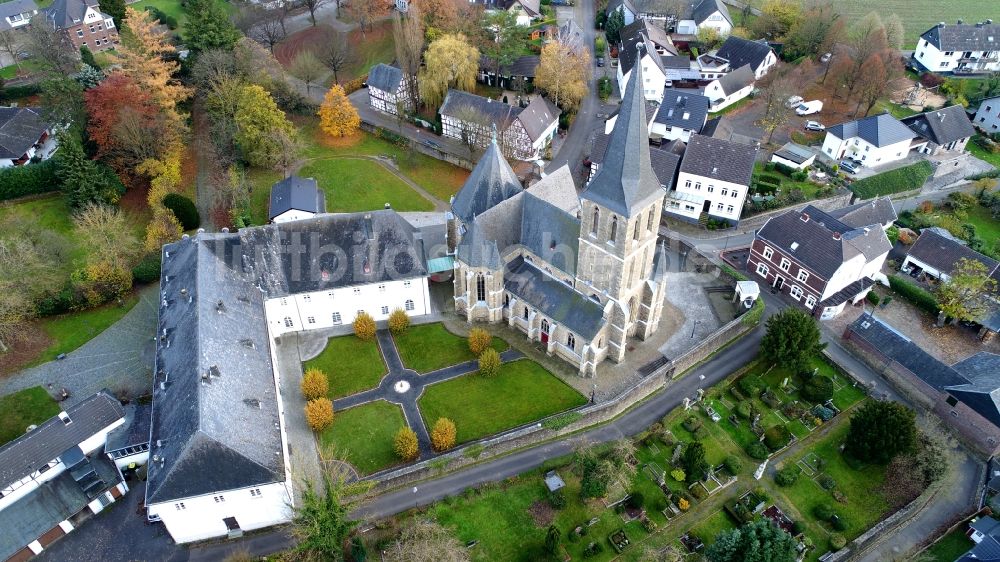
(404, 386)
(120, 358)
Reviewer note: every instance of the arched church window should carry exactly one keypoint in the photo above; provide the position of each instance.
(545, 326)
(597, 219)
(480, 287)
(635, 233)
(525, 313)
(614, 230)
(571, 341)
(506, 300)
(649, 221)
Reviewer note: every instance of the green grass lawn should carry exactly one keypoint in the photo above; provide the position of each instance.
(351, 365)
(175, 9)
(982, 153)
(951, 546)
(368, 49)
(429, 347)
(70, 331)
(27, 67)
(987, 227)
(896, 110)
(363, 436)
(523, 392)
(710, 527)
(30, 406)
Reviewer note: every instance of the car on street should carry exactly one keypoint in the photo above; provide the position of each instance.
(432, 144)
(793, 101)
(826, 57)
(815, 126)
(849, 166)
(600, 61)
(809, 107)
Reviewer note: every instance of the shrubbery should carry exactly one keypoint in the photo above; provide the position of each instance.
(776, 437)
(479, 340)
(918, 297)
(18, 181)
(744, 409)
(893, 181)
(818, 389)
(757, 450)
(733, 464)
(399, 320)
(443, 434)
(787, 476)
(751, 385)
(184, 209)
(164, 18)
(147, 270)
(405, 444)
(319, 414)
(314, 384)
(837, 542)
(364, 326)
(489, 363)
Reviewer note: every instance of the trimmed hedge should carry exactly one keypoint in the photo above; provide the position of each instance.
(893, 181)
(18, 181)
(918, 297)
(184, 209)
(147, 270)
(10, 93)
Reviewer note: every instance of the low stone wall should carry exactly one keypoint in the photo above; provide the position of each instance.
(422, 148)
(837, 201)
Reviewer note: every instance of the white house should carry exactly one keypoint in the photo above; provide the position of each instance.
(960, 48)
(712, 181)
(944, 129)
(24, 135)
(680, 115)
(987, 117)
(873, 140)
(16, 13)
(711, 14)
(57, 475)
(638, 49)
(730, 88)
(525, 10)
(757, 54)
(387, 89)
(794, 156)
(524, 131)
(295, 198)
(936, 254)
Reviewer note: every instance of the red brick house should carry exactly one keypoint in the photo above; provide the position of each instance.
(84, 23)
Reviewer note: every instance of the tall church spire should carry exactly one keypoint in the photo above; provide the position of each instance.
(491, 182)
(625, 183)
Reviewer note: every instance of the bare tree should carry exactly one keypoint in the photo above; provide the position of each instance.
(51, 47)
(365, 12)
(247, 17)
(8, 44)
(313, 6)
(426, 541)
(408, 36)
(334, 53)
(473, 126)
(270, 30)
(776, 89)
(308, 68)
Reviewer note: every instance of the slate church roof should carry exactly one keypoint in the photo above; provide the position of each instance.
(553, 298)
(491, 181)
(477, 250)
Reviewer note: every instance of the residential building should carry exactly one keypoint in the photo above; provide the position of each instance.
(25, 135)
(935, 255)
(681, 114)
(697, 15)
(512, 76)
(571, 34)
(944, 129)
(525, 10)
(875, 211)
(295, 198)
(665, 159)
(988, 116)
(985, 533)
(388, 90)
(579, 273)
(706, 14)
(794, 156)
(757, 54)
(128, 444)
(730, 88)
(873, 140)
(525, 132)
(638, 50)
(654, 33)
(713, 181)
(960, 48)
(57, 475)
(817, 260)
(16, 13)
(84, 23)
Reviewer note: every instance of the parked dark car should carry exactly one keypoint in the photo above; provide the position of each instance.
(600, 61)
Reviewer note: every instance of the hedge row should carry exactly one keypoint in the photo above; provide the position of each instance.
(11, 93)
(918, 297)
(893, 181)
(18, 181)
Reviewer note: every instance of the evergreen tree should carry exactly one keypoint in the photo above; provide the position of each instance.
(83, 180)
(115, 9)
(694, 461)
(791, 340)
(322, 522)
(880, 431)
(87, 57)
(758, 541)
(208, 26)
(613, 28)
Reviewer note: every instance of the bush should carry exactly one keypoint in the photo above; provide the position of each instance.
(314, 384)
(165, 19)
(557, 499)
(744, 409)
(147, 270)
(11, 93)
(733, 464)
(893, 181)
(837, 542)
(757, 450)
(489, 363)
(692, 424)
(776, 437)
(683, 504)
(635, 500)
(827, 482)
(838, 523)
(818, 389)
(787, 476)
(872, 298)
(184, 209)
(18, 181)
(479, 340)
(399, 320)
(319, 414)
(678, 475)
(443, 435)
(915, 295)
(798, 528)
(751, 385)
(364, 326)
(405, 444)
(823, 512)
(699, 492)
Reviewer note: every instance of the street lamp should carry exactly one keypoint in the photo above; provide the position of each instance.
(414, 497)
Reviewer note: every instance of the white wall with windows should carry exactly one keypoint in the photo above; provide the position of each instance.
(696, 194)
(202, 517)
(653, 79)
(936, 60)
(988, 116)
(860, 149)
(325, 309)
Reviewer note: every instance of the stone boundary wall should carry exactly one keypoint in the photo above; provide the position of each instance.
(422, 148)
(837, 201)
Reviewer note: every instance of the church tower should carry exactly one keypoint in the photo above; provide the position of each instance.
(620, 217)
(478, 278)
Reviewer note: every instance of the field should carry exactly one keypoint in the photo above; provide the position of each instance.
(523, 392)
(983, 154)
(366, 50)
(950, 547)
(21, 409)
(363, 436)
(430, 347)
(351, 365)
(174, 9)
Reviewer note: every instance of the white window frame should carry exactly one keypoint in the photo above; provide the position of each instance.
(408, 305)
(803, 275)
(795, 292)
(768, 252)
(785, 264)
(810, 301)
(762, 270)
(385, 310)
(337, 318)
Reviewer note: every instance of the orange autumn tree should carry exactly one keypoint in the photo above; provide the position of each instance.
(337, 116)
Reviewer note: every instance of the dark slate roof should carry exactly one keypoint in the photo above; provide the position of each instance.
(477, 251)
(67, 13)
(50, 504)
(942, 253)
(385, 77)
(656, 35)
(553, 298)
(704, 9)
(600, 147)
(20, 128)
(551, 233)
(571, 34)
(850, 291)
(491, 181)
(538, 116)
(964, 37)
(719, 159)
(898, 347)
(879, 130)
(300, 194)
(13, 8)
(495, 112)
(135, 430)
(982, 393)
(675, 61)
(718, 127)
(737, 79)
(628, 53)
(625, 181)
(794, 153)
(942, 126)
(215, 422)
(49, 440)
(522, 66)
(821, 243)
(739, 51)
(666, 159)
(877, 211)
(330, 251)
(682, 108)
(987, 550)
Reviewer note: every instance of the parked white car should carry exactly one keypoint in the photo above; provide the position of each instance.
(793, 101)
(809, 107)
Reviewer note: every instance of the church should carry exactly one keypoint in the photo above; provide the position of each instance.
(580, 273)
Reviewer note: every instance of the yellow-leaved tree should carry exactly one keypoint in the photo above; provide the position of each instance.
(449, 62)
(564, 73)
(165, 178)
(405, 444)
(337, 116)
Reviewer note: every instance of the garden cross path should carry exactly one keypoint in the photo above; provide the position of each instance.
(404, 386)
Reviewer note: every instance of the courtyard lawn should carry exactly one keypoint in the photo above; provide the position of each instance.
(982, 153)
(30, 406)
(70, 331)
(351, 365)
(951, 546)
(710, 527)
(987, 227)
(429, 347)
(175, 9)
(363, 436)
(523, 392)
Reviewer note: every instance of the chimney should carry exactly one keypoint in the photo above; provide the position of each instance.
(959, 22)
(940, 24)
(836, 236)
(940, 116)
(804, 217)
(388, 206)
